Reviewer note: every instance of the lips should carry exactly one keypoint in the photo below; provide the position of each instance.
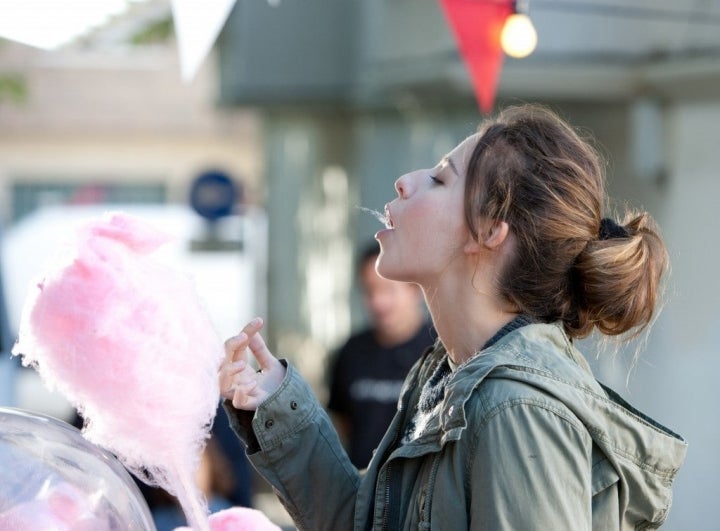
(388, 218)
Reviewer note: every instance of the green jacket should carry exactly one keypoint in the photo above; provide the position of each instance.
(524, 438)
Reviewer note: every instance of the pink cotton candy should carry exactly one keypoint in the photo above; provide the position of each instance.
(238, 519)
(66, 502)
(32, 516)
(62, 508)
(125, 338)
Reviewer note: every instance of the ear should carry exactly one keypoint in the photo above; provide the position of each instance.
(472, 246)
(491, 238)
(497, 235)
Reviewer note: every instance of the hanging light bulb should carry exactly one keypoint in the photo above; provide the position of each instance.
(518, 38)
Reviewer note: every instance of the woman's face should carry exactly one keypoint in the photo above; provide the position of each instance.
(427, 230)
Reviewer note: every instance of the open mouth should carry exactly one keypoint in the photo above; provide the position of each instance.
(387, 218)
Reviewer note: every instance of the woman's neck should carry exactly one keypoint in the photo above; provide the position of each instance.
(465, 319)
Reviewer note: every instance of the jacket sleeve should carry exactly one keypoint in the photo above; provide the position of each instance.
(293, 445)
(531, 469)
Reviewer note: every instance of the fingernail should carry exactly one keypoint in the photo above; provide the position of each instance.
(240, 364)
(256, 321)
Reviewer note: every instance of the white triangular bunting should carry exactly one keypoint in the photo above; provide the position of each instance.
(197, 25)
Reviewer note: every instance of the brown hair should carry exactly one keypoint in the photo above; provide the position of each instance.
(533, 171)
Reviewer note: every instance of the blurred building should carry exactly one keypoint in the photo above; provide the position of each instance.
(105, 120)
(353, 93)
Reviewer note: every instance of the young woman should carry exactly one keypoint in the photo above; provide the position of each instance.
(501, 425)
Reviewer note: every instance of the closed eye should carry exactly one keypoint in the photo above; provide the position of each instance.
(435, 180)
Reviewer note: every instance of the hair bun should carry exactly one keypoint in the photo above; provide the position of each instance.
(609, 229)
(620, 278)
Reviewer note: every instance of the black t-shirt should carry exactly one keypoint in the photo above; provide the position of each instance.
(365, 384)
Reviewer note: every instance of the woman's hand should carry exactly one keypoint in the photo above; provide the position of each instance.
(239, 381)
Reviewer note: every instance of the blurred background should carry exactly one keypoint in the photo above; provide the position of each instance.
(260, 155)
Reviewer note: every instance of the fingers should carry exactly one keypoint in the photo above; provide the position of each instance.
(246, 396)
(246, 389)
(243, 392)
(226, 376)
(253, 326)
(239, 381)
(262, 354)
(236, 345)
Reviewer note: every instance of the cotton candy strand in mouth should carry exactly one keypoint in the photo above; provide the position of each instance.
(127, 340)
(381, 217)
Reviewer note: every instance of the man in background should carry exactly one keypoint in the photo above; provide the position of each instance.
(369, 369)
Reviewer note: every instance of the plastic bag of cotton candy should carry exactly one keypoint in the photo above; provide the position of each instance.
(54, 479)
(126, 339)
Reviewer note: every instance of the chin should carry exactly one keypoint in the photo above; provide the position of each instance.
(390, 268)
(384, 271)
(392, 274)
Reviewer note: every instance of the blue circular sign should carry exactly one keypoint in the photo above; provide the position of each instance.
(213, 195)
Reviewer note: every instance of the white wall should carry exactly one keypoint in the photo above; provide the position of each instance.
(682, 383)
(675, 380)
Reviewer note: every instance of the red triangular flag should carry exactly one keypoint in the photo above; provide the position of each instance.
(477, 25)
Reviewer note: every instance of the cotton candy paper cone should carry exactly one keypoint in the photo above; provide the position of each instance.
(126, 339)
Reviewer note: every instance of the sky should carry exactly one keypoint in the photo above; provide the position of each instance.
(48, 24)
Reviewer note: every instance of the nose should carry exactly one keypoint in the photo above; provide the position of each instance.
(402, 186)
